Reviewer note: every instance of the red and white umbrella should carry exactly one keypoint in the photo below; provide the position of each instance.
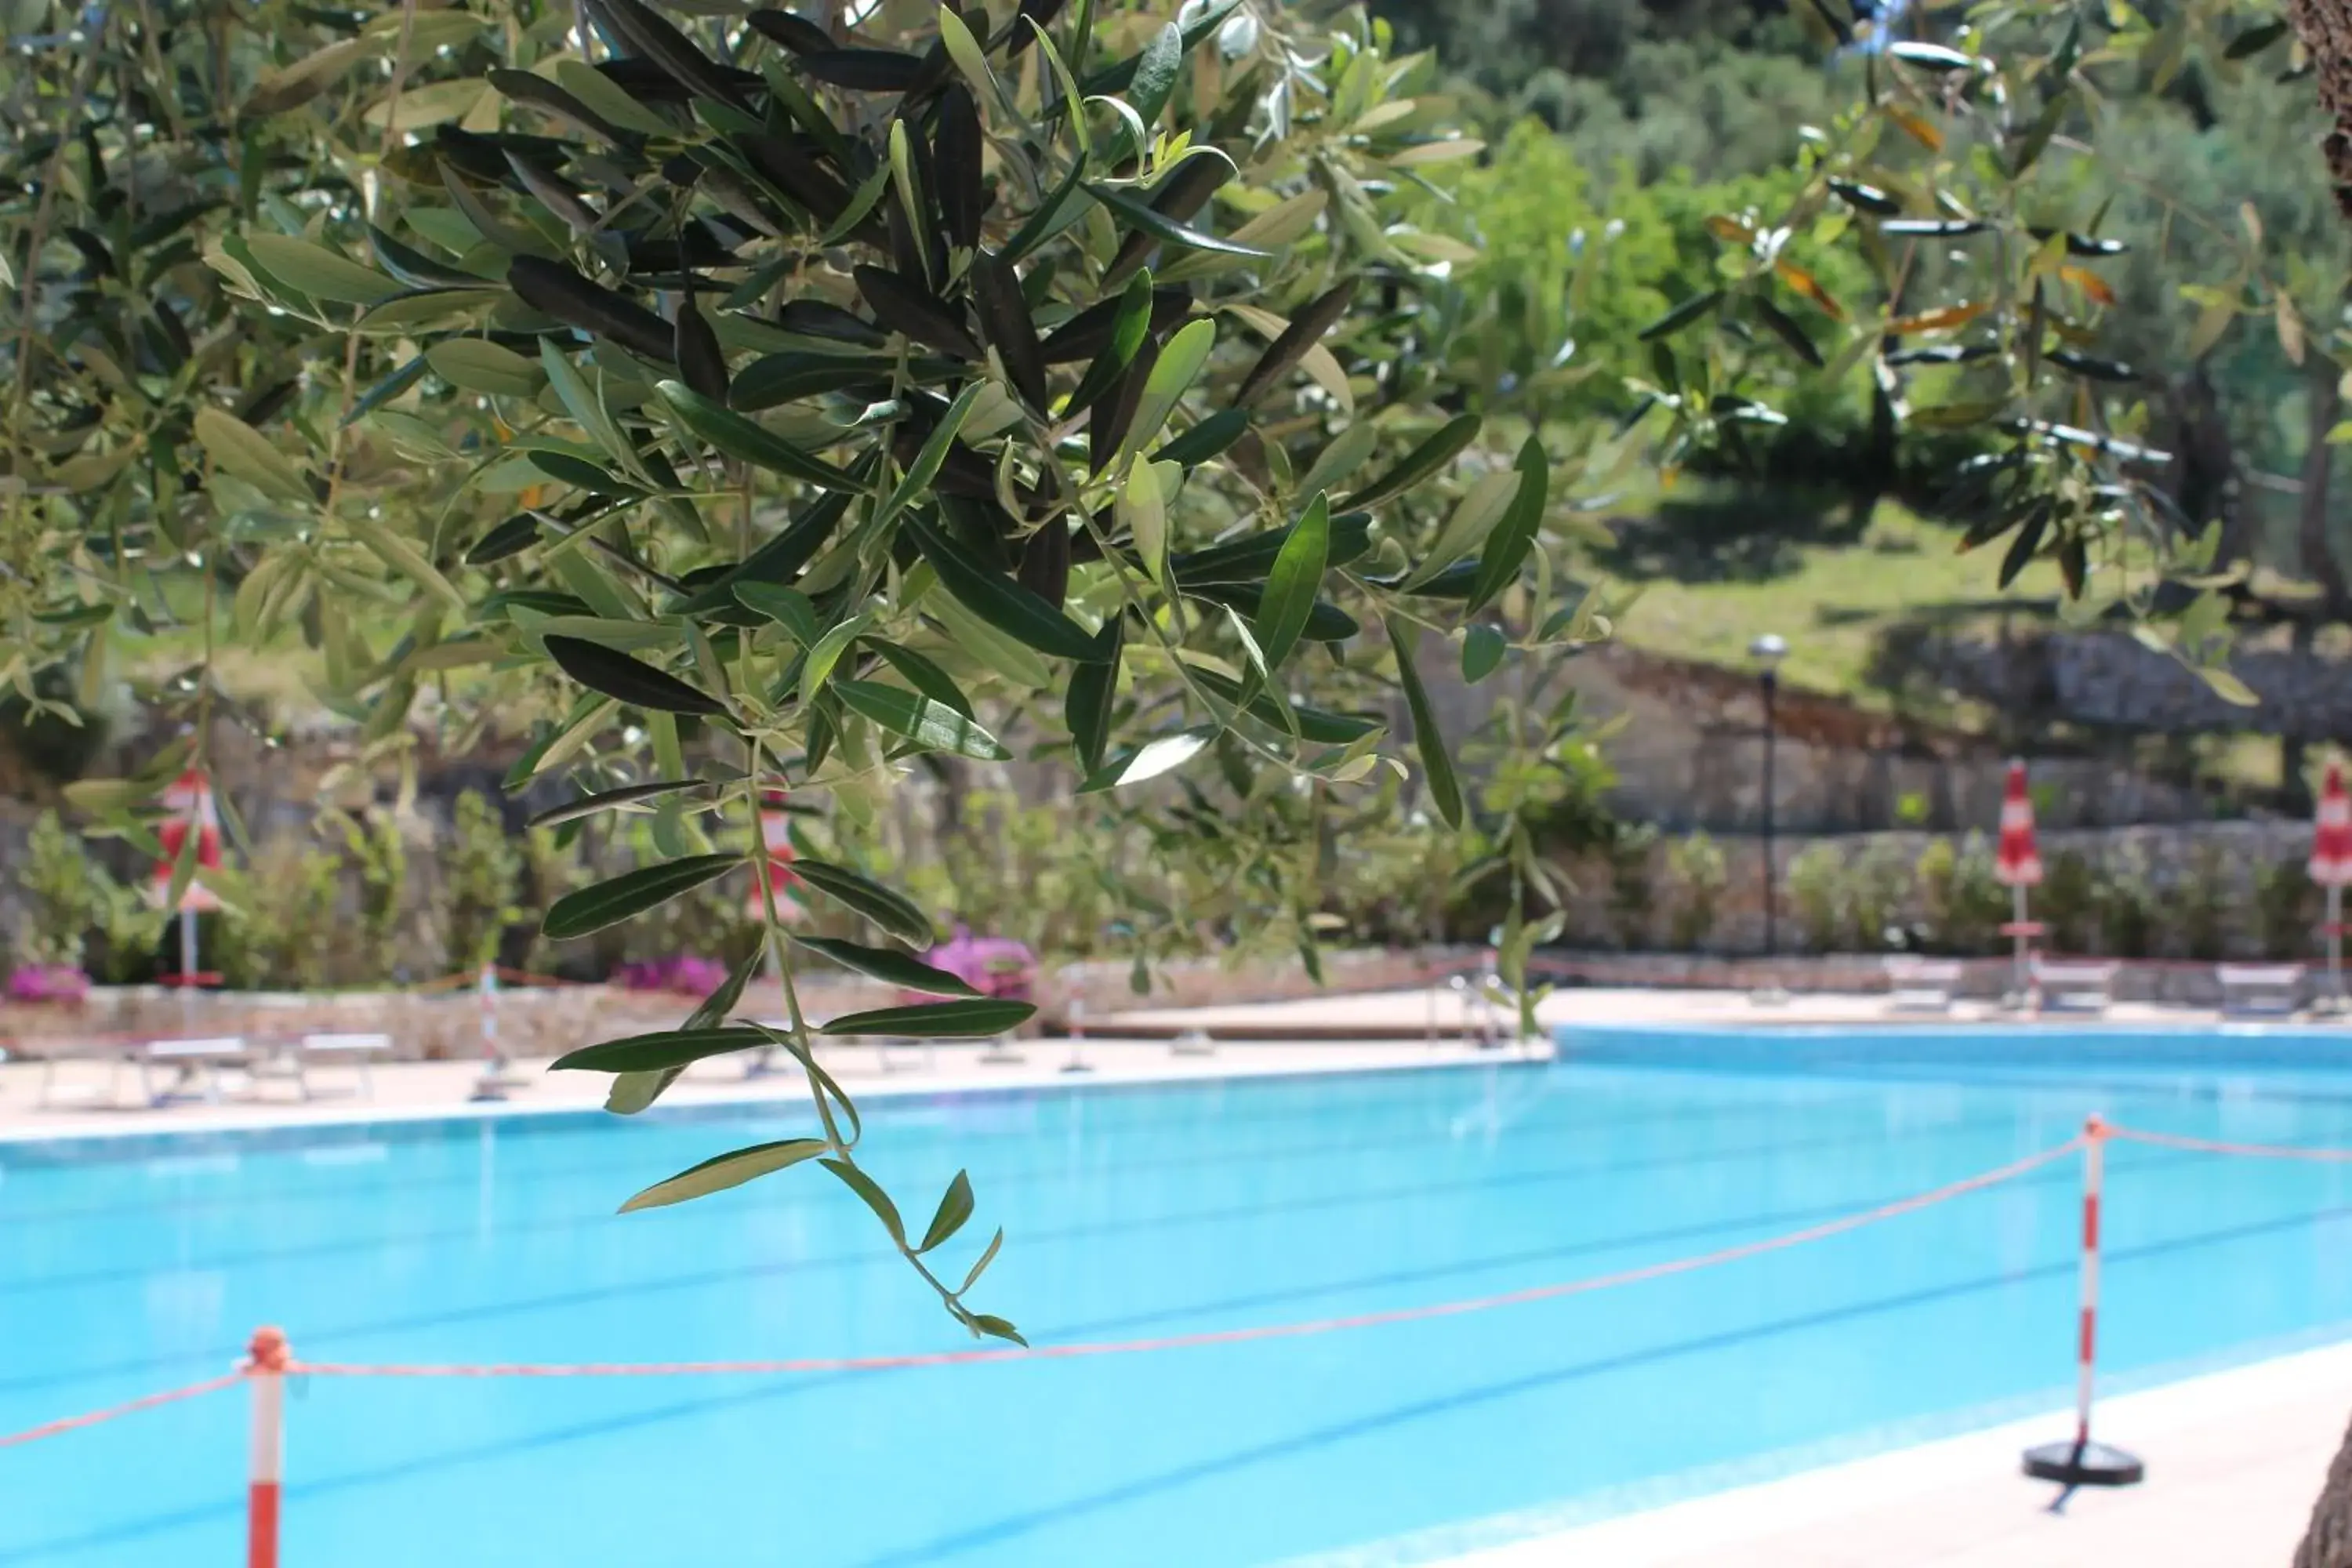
(190, 802)
(2016, 866)
(2331, 868)
(2331, 835)
(2018, 863)
(775, 835)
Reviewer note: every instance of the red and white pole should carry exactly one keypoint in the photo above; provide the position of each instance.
(266, 1371)
(190, 811)
(2016, 864)
(2083, 1463)
(2331, 868)
(2094, 1164)
(1074, 1016)
(492, 1084)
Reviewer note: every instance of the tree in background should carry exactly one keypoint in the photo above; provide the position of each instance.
(62, 894)
(478, 869)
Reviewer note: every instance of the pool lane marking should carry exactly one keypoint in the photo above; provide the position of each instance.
(1540, 1175)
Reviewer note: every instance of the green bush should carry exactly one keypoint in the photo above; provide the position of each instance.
(2286, 908)
(1963, 900)
(379, 855)
(2130, 911)
(477, 889)
(64, 891)
(551, 861)
(2199, 906)
(130, 935)
(1696, 864)
(285, 933)
(1818, 890)
(2068, 902)
(1632, 894)
(1879, 885)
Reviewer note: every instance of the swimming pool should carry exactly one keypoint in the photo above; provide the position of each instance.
(131, 1265)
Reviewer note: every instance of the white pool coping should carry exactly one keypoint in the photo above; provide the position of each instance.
(438, 1088)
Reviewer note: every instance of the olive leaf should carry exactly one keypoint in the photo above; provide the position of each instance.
(1442, 787)
(630, 680)
(1297, 578)
(1305, 330)
(977, 1018)
(1424, 461)
(1000, 601)
(888, 965)
(932, 726)
(624, 897)
(740, 438)
(730, 1170)
(868, 898)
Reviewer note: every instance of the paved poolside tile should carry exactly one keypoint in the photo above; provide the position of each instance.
(2234, 1460)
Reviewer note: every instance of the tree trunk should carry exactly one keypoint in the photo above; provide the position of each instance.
(2294, 748)
(2203, 480)
(2319, 556)
(2325, 29)
(2327, 1539)
(2318, 464)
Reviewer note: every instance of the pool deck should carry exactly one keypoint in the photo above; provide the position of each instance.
(2234, 1461)
(1398, 1015)
(2234, 1457)
(426, 1090)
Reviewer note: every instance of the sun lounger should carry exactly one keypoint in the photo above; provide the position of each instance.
(2075, 987)
(1917, 984)
(2259, 990)
(196, 1067)
(311, 1051)
(54, 1093)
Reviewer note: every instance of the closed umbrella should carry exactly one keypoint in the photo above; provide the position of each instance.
(2331, 866)
(189, 802)
(2016, 866)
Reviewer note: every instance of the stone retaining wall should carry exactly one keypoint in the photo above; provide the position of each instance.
(2111, 681)
(2170, 857)
(531, 1023)
(539, 1022)
(2163, 983)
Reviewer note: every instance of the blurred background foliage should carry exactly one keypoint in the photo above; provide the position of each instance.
(1613, 143)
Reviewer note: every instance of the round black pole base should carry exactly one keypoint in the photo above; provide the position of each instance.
(2083, 1465)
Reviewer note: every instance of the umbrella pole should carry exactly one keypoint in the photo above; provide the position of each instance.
(2022, 968)
(188, 971)
(2335, 947)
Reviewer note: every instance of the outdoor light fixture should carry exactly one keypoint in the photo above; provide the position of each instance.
(1768, 651)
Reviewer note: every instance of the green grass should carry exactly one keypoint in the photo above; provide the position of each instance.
(1835, 599)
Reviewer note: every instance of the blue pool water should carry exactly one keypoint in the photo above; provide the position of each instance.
(136, 1265)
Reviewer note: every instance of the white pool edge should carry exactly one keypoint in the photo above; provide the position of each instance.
(784, 1087)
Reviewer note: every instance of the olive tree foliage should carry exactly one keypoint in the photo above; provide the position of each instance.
(756, 400)
(1977, 175)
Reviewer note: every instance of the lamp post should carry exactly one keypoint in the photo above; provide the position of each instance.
(1768, 651)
